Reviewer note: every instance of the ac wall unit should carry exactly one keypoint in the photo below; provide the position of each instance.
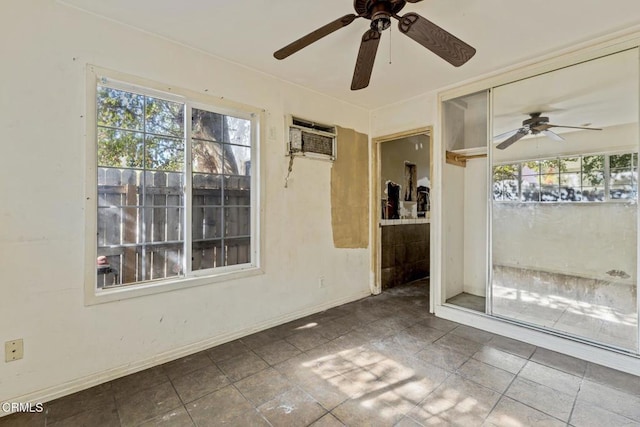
(311, 139)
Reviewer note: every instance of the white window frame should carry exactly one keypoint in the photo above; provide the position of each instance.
(93, 295)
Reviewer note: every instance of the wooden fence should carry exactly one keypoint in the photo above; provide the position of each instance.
(141, 223)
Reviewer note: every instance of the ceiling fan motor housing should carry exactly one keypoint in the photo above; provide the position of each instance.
(535, 120)
(369, 8)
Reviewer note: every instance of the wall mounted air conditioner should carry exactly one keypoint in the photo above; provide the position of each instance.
(311, 139)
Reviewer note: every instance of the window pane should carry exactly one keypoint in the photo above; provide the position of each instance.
(593, 194)
(570, 187)
(209, 126)
(548, 166)
(237, 222)
(207, 190)
(592, 179)
(164, 117)
(234, 193)
(620, 161)
(108, 270)
(165, 153)
(111, 222)
(237, 251)
(531, 168)
(237, 160)
(207, 157)
(530, 189)
(118, 148)
(505, 172)
(551, 179)
(626, 192)
(206, 223)
(166, 261)
(570, 164)
(207, 254)
(120, 109)
(505, 182)
(549, 193)
(505, 190)
(592, 171)
(238, 130)
(158, 227)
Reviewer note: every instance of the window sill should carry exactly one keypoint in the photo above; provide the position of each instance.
(99, 296)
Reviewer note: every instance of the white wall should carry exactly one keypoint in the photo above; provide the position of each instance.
(475, 227)
(45, 48)
(453, 226)
(415, 113)
(585, 240)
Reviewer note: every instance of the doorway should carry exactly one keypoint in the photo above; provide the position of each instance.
(402, 205)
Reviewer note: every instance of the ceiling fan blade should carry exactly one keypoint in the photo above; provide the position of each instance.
(503, 135)
(441, 42)
(552, 135)
(314, 36)
(366, 58)
(548, 126)
(521, 133)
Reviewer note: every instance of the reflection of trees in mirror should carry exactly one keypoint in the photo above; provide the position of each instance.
(577, 178)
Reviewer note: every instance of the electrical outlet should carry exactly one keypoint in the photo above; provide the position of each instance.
(13, 350)
(321, 282)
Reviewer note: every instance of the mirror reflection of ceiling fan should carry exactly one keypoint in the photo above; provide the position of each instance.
(379, 12)
(534, 125)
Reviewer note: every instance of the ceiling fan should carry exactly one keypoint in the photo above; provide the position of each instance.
(534, 125)
(379, 12)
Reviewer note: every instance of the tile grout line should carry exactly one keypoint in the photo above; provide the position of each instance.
(510, 383)
(184, 404)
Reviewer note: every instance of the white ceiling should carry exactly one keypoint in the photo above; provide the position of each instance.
(598, 93)
(504, 32)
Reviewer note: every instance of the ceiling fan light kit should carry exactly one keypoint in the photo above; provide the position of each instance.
(379, 12)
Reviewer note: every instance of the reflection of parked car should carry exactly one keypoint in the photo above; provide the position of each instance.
(595, 195)
(551, 193)
(570, 194)
(505, 190)
(625, 192)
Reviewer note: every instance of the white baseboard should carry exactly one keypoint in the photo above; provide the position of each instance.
(97, 378)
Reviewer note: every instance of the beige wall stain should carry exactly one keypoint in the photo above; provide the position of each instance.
(350, 191)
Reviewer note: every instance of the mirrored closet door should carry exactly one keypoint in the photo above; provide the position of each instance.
(563, 201)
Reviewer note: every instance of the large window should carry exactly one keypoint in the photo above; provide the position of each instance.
(568, 179)
(174, 187)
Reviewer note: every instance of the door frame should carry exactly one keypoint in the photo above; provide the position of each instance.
(376, 196)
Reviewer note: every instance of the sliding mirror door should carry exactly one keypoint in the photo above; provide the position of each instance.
(564, 214)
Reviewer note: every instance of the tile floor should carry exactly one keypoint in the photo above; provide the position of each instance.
(469, 301)
(380, 361)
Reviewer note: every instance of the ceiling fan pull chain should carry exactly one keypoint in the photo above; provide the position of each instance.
(389, 45)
